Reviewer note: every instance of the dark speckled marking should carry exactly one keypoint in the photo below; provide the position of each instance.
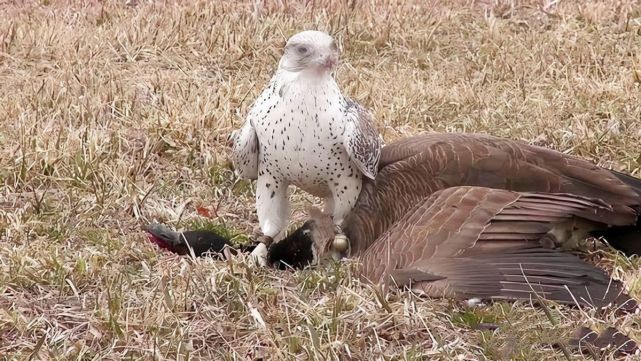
(311, 136)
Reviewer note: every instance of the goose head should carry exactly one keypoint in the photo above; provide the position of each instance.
(307, 245)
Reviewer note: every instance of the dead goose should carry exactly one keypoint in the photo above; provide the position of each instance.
(476, 242)
(413, 168)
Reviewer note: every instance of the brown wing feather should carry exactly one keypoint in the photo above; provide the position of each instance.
(443, 225)
(452, 244)
(523, 274)
(413, 168)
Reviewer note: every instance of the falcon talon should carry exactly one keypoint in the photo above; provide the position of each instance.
(266, 240)
(259, 255)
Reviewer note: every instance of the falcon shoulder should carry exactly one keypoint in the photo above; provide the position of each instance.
(361, 140)
(245, 150)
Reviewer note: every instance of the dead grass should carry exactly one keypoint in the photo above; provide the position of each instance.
(115, 115)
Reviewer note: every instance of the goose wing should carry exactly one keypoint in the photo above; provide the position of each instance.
(468, 242)
(413, 168)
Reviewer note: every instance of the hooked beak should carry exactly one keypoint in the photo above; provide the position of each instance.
(329, 62)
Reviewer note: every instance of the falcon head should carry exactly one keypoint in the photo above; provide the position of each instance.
(311, 50)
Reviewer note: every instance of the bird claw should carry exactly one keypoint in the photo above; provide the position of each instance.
(266, 240)
(259, 255)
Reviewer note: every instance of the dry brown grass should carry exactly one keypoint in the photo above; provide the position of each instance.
(115, 115)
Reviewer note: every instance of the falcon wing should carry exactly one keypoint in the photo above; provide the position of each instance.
(361, 140)
(245, 151)
(480, 242)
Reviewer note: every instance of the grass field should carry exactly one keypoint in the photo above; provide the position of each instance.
(114, 115)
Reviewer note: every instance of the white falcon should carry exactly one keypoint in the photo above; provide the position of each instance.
(302, 131)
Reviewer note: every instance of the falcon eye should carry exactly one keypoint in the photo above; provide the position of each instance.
(302, 50)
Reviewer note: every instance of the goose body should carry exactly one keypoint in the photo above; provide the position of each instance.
(476, 242)
(469, 215)
(413, 168)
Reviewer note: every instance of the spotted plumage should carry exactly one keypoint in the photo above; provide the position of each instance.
(302, 131)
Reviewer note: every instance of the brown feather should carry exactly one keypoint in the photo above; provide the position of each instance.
(451, 244)
(443, 213)
(413, 168)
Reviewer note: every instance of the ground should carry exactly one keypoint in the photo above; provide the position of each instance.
(115, 114)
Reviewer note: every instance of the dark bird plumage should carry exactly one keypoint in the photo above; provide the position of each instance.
(299, 248)
(201, 241)
(610, 341)
(296, 253)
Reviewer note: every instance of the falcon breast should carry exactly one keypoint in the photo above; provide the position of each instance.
(302, 131)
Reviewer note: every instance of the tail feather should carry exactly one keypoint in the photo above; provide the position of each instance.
(627, 239)
(610, 341)
(631, 181)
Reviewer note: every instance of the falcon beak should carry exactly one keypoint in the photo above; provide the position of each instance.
(329, 62)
